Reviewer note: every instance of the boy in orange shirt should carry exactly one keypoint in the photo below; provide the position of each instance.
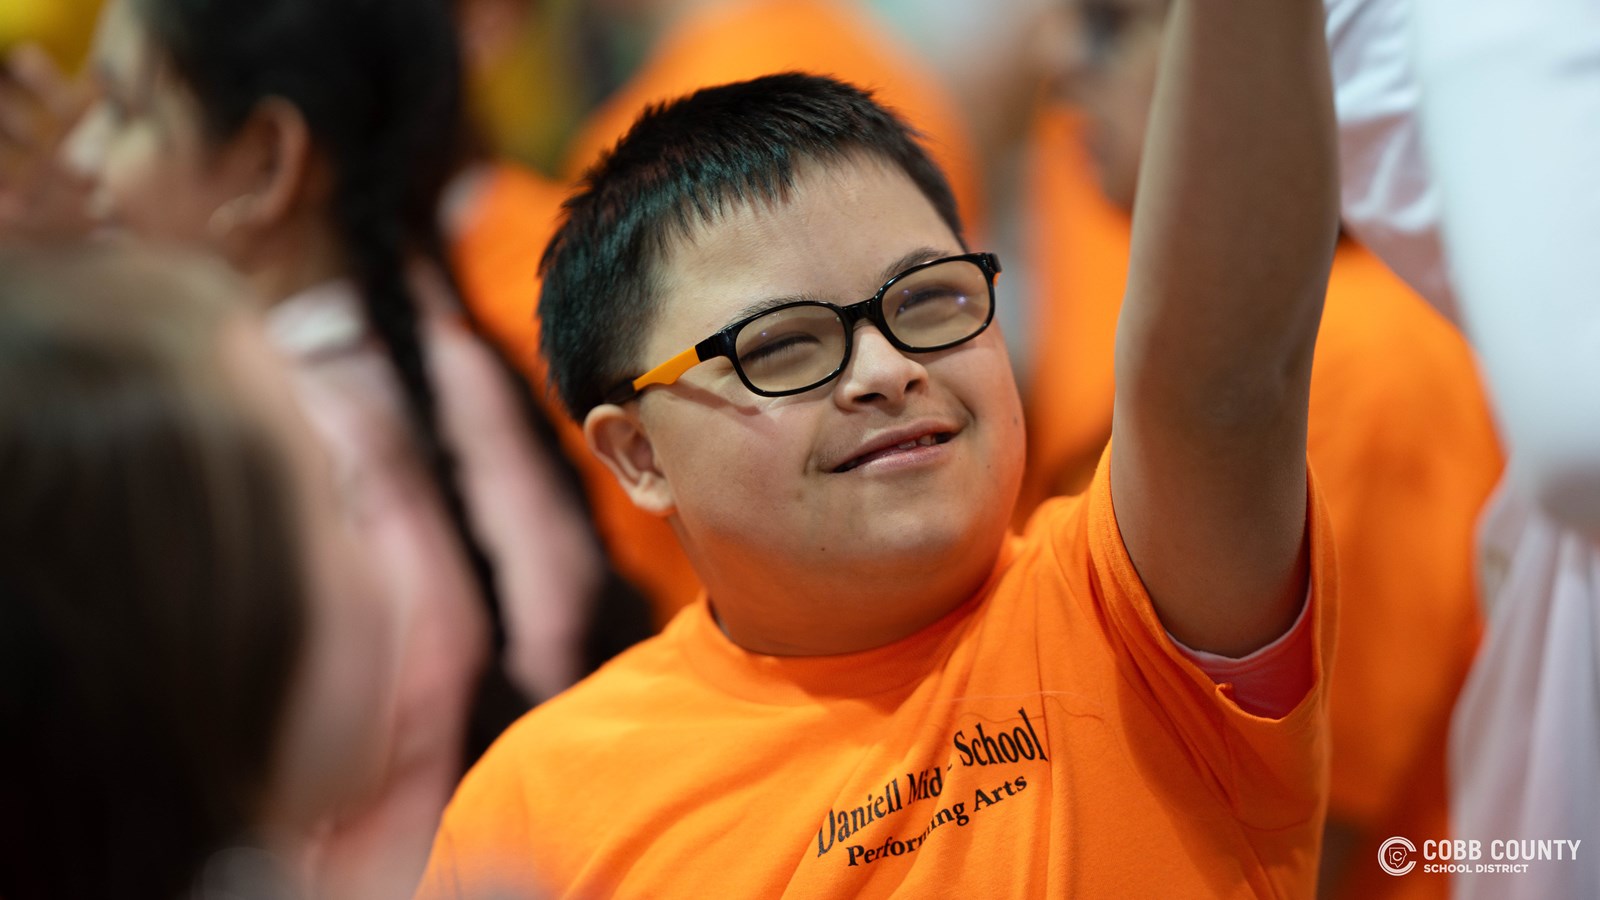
(883, 694)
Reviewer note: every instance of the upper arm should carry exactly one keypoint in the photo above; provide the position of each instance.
(1234, 227)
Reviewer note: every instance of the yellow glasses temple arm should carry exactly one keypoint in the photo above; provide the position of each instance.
(669, 371)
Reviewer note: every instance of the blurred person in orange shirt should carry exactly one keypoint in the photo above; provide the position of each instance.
(1400, 438)
(691, 44)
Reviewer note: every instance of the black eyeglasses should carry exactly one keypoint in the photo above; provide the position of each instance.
(792, 348)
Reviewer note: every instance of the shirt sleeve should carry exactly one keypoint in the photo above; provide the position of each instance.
(1271, 770)
(1274, 679)
(1510, 121)
(1388, 196)
(483, 848)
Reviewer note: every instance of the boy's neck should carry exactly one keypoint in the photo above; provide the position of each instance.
(845, 611)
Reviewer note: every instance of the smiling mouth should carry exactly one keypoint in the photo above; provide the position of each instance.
(927, 440)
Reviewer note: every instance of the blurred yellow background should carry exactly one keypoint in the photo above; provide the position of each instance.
(62, 27)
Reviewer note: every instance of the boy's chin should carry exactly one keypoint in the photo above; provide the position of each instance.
(924, 551)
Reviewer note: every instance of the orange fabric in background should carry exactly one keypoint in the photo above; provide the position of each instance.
(1402, 443)
(735, 41)
(1077, 248)
(497, 259)
(1402, 440)
(1046, 739)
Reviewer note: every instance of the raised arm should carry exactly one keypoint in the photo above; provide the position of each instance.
(1234, 227)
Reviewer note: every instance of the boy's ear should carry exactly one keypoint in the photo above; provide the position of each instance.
(616, 435)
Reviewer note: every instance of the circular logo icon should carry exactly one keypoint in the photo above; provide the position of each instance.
(1397, 856)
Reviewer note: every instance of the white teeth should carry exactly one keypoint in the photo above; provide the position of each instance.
(927, 440)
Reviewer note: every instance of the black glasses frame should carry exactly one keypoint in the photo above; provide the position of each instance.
(724, 343)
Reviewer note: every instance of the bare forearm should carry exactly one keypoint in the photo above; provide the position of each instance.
(1234, 229)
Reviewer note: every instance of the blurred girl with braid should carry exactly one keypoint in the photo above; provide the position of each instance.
(306, 142)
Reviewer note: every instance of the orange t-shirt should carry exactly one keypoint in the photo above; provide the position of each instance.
(1046, 739)
(497, 257)
(1404, 448)
(736, 41)
(496, 253)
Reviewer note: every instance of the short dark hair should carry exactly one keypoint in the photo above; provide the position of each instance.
(685, 163)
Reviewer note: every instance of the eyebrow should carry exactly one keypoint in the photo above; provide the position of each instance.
(914, 258)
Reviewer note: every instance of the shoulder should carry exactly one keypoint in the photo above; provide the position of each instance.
(1060, 535)
(623, 697)
(1073, 550)
(1051, 564)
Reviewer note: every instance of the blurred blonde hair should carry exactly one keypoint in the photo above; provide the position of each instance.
(152, 607)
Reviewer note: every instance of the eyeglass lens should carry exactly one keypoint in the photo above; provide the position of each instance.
(797, 347)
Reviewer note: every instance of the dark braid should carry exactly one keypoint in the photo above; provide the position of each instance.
(392, 309)
(385, 199)
(379, 84)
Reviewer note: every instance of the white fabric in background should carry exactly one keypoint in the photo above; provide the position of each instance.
(1480, 120)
